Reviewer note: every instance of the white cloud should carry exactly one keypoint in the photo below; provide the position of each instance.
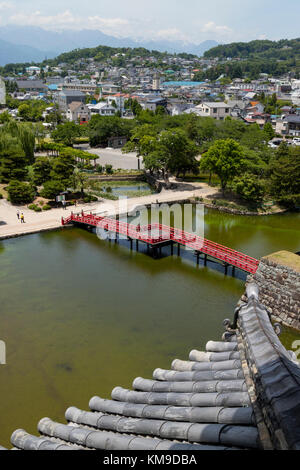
(66, 20)
(172, 34)
(212, 27)
(6, 5)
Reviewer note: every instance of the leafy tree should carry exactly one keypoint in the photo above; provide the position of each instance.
(20, 193)
(225, 158)
(66, 133)
(249, 188)
(101, 128)
(254, 138)
(52, 188)
(268, 129)
(160, 110)
(62, 168)
(285, 177)
(170, 151)
(27, 140)
(78, 180)
(41, 170)
(32, 111)
(5, 117)
(12, 159)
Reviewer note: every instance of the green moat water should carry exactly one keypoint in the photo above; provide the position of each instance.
(80, 316)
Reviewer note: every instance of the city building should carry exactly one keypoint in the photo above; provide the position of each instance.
(66, 97)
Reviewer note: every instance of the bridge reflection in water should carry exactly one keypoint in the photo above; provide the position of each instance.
(156, 236)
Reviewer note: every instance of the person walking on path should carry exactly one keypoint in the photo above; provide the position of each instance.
(18, 215)
(64, 204)
(22, 219)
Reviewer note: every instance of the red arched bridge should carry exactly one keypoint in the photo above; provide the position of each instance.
(157, 235)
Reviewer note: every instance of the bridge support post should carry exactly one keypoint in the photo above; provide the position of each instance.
(233, 271)
(130, 240)
(197, 257)
(178, 249)
(226, 268)
(205, 260)
(137, 245)
(172, 249)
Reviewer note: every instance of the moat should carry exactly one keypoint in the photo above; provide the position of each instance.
(80, 316)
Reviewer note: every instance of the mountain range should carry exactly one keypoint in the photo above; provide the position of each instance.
(19, 43)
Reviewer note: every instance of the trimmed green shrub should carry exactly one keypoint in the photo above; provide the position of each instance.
(20, 193)
(46, 207)
(109, 169)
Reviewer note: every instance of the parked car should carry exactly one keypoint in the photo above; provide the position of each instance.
(296, 140)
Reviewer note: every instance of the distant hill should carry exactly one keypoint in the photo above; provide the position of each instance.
(260, 49)
(14, 53)
(274, 58)
(64, 41)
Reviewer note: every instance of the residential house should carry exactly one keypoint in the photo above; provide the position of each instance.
(153, 103)
(215, 110)
(103, 108)
(78, 112)
(289, 125)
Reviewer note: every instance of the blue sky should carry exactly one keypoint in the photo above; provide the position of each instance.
(187, 20)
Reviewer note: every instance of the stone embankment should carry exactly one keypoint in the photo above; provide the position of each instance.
(278, 277)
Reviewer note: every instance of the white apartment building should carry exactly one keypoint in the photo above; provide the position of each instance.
(217, 111)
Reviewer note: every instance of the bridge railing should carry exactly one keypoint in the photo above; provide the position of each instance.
(146, 234)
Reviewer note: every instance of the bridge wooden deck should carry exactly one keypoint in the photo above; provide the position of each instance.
(156, 235)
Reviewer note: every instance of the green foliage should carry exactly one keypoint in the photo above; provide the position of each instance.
(52, 188)
(5, 117)
(36, 208)
(101, 128)
(32, 110)
(285, 176)
(62, 168)
(133, 105)
(20, 193)
(264, 49)
(270, 57)
(41, 170)
(225, 158)
(12, 159)
(249, 188)
(108, 169)
(268, 129)
(66, 133)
